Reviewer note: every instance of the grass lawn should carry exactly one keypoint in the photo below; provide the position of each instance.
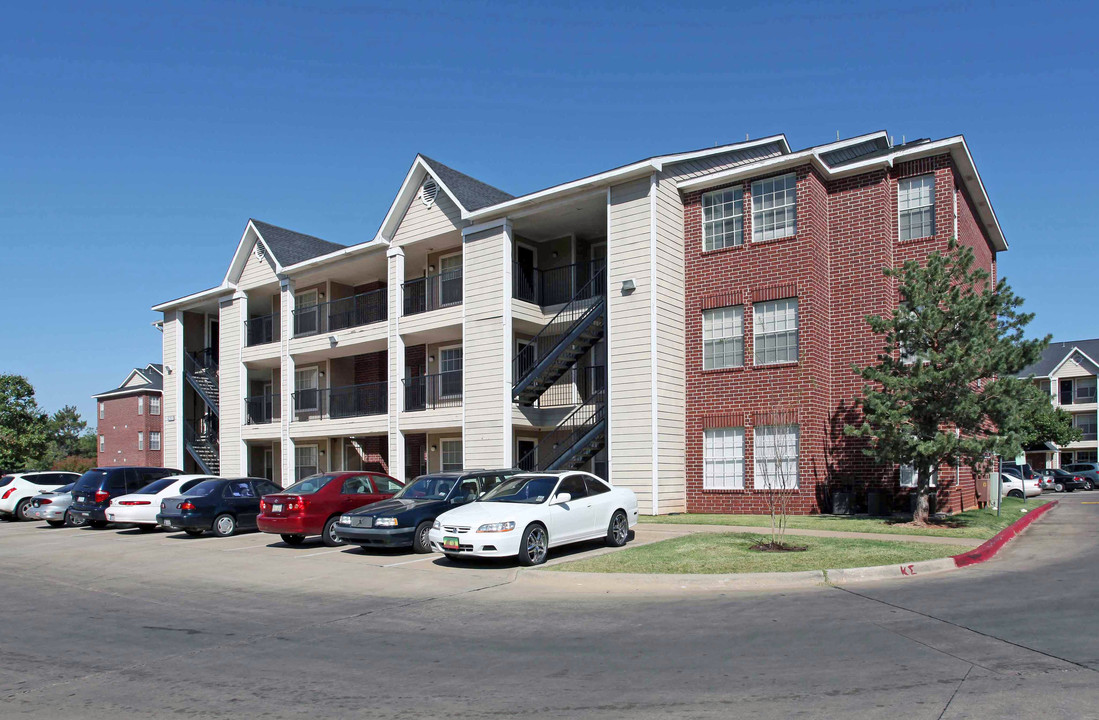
(980, 524)
(729, 553)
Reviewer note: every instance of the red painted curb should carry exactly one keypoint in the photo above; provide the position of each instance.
(990, 548)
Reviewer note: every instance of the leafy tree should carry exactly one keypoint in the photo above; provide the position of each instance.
(944, 389)
(24, 428)
(74, 463)
(66, 429)
(1042, 422)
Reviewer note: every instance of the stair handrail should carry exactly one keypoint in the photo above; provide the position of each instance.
(569, 431)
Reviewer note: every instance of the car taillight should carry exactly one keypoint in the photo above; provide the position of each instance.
(135, 502)
(295, 504)
(1078, 479)
(188, 505)
(7, 494)
(102, 496)
(45, 501)
(263, 506)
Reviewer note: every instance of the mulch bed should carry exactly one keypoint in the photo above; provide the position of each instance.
(778, 547)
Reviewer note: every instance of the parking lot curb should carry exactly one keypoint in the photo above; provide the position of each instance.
(989, 549)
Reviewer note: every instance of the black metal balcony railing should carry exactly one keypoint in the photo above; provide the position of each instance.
(340, 402)
(428, 392)
(553, 286)
(261, 409)
(261, 330)
(575, 387)
(432, 292)
(362, 309)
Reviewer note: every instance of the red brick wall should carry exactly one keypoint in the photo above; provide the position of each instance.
(120, 426)
(846, 233)
(375, 453)
(370, 367)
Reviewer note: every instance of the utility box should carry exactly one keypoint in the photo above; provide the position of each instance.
(875, 503)
(842, 504)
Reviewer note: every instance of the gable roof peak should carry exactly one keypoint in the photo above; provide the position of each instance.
(471, 193)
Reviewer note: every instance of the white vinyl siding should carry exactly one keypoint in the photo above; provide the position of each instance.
(305, 461)
(154, 440)
(154, 405)
(723, 459)
(723, 218)
(723, 337)
(776, 453)
(776, 331)
(451, 455)
(916, 207)
(421, 222)
(774, 208)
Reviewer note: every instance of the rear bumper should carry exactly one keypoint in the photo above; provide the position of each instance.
(287, 525)
(46, 512)
(89, 513)
(182, 522)
(131, 515)
(376, 537)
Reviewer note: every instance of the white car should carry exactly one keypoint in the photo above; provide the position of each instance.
(528, 514)
(141, 508)
(1013, 486)
(17, 489)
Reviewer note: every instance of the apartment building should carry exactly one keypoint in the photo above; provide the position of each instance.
(129, 420)
(1068, 374)
(564, 328)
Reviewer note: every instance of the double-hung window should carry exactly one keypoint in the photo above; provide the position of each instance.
(154, 405)
(774, 208)
(776, 331)
(307, 383)
(102, 409)
(909, 479)
(776, 451)
(154, 440)
(305, 461)
(102, 443)
(141, 441)
(723, 337)
(140, 405)
(1086, 422)
(723, 459)
(1085, 390)
(450, 452)
(723, 218)
(916, 207)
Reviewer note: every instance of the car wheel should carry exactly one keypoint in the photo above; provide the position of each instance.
(618, 531)
(225, 525)
(145, 527)
(328, 535)
(420, 541)
(73, 521)
(98, 524)
(194, 532)
(56, 523)
(21, 509)
(534, 546)
(1014, 494)
(293, 539)
(1058, 487)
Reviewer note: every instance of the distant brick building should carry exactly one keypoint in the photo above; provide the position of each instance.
(130, 426)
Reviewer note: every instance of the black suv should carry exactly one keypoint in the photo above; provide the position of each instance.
(405, 519)
(93, 491)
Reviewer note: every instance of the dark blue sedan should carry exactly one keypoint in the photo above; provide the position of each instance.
(224, 505)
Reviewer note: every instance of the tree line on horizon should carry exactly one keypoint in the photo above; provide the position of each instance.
(32, 439)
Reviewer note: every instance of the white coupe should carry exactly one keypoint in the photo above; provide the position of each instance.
(141, 508)
(528, 514)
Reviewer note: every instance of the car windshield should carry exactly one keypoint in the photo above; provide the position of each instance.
(206, 487)
(428, 487)
(529, 489)
(90, 480)
(309, 485)
(156, 486)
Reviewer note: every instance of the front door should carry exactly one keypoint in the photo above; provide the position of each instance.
(525, 261)
(526, 457)
(269, 464)
(215, 337)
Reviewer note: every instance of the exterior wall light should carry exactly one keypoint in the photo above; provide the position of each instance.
(628, 286)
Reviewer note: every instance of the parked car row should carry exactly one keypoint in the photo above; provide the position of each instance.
(1020, 480)
(475, 513)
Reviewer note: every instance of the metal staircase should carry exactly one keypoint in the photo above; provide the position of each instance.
(556, 349)
(203, 447)
(201, 371)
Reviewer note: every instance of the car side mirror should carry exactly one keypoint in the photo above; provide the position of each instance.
(561, 498)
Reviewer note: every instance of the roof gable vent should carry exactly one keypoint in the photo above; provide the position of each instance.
(258, 250)
(428, 192)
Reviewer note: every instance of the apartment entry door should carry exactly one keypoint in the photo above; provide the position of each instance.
(525, 261)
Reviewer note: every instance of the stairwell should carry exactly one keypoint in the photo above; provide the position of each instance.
(201, 373)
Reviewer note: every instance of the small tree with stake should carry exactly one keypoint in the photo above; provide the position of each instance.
(944, 389)
(777, 476)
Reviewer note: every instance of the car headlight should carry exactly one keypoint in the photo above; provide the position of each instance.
(385, 522)
(437, 525)
(497, 527)
(345, 519)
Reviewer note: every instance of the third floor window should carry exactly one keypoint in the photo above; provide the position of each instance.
(774, 208)
(723, 218)
(916, 207)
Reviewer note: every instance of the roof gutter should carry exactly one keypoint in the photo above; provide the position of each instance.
(366, 247)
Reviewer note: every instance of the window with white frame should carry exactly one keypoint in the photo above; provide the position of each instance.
(102, 443)
(722, 218)
(154, 440)
(154, 405)
(305, 461)
(723, 459)
(776, 331)
(450, 371)
(1086, 422)
(450, 454)
(723, 337)
(141, 441)
(916, 207)
(140, 404)
(101, 410)
(307, 384)
(776, 453)
(1085, 390)
(774, 208)
(908, 476)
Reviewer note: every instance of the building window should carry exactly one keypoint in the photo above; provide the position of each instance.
(1086, 456)
(1066, 392)
(723, 459)
(774, 208)
(908, 476)
(776, 331)
(916, 207)
(305, 461)
(450, 372)
(1086, 422)
(102, 443)
(1085, 390)
(141, 441)
(101, 410)
(140, 404)
(154, 440)
(154, 405)
(307, 383)
(723, 218)
(776, 451)
(451, 455)
(723, 337)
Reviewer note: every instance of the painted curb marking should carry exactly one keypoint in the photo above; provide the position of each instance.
(989, 549)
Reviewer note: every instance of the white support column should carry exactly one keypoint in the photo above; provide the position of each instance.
(508, 439)
(242, 335)
(396, 364)
(178, 382)
(286, 389)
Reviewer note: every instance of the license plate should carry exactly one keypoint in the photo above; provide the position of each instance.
(81, 498)
(451, 543)
(110, 516)
(276, 508)
(167, 523)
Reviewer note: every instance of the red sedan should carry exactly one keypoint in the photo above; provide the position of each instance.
(313, 506)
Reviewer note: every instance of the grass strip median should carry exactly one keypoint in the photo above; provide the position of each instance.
(981, 524)
(721, 553)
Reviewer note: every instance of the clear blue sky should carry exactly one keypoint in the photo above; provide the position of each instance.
(139, 137)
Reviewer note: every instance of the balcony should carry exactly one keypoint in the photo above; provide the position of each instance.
(429, 392)
(340, 402)
(355, 311)
(432, 292)
(576, 387)
(261, 330)
(553, 286)
(261, 410)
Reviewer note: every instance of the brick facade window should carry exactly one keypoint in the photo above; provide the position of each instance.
(776, 331)
(141, 441)
(102, 443)
(723, 459)
(140, 405)
(723, 337)
(154, 405)
(916, 207)
(776, 451)
(154, 440)
(722, 219)
(774, 208)
(102, 410)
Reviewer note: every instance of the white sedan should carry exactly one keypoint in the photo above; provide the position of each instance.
(528, 514)
(17, 489)
(141, 508)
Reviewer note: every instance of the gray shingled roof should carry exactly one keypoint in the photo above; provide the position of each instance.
(471, 192)
(153, 371)
(291, 247)
(1056, 352)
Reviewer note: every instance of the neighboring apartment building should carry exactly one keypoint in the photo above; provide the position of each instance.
(1068, 374)
(130, 421)
(572, 327)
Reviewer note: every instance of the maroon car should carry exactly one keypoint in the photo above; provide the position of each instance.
(313, 506)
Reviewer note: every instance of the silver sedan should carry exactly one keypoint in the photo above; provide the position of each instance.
(53, 507)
